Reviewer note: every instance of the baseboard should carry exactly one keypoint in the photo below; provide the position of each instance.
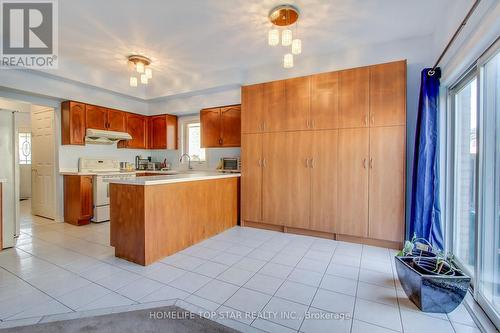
(321, 234)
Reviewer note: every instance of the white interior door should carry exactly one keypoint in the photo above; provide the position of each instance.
(43, 163)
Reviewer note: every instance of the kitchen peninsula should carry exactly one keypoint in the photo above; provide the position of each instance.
(156, 216)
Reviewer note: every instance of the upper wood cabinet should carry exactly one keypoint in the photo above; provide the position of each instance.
(298, 104)
(137, 127)
(73, 123)
(325, 101)
(353, 155)
(252, 109)
(221, 127)
(163, 132)
(117, 120)
(251, 177)
(273, 96)
(354, 97)
(388, 94)
(387, 183)
(231, 126)
(96, 117)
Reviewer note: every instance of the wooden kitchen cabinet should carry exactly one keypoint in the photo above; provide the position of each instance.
(78, 199)
(387, 183)
(252, 109)
(286, 184)
(354, 97)
(251, 177)
(324, 180)
(117, 120)
(333, 154)
(210, 128)
(231, 126)
(388, 94)
(163, 132)
(274, 95)
(102, 118)
(96, 117)
(137, 127)
(325, 101)
(221, 127)
(353, 155)
(297, 105)
(73, 125)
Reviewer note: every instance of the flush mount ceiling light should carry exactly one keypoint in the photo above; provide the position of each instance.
(140, 64)
(283, 18)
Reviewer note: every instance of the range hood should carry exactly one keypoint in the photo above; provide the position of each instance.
(95, 136)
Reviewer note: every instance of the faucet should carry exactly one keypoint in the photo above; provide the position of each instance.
(189, 160)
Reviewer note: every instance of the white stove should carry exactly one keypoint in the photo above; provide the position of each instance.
(103, 169)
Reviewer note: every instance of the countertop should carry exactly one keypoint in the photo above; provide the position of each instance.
(77, 173)
(169, 179)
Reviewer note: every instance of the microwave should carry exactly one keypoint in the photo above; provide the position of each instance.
(230, 164)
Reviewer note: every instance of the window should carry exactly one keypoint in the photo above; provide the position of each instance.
(488, 282)
(24, 148)
(192, 140)
(465, 161)
(474, 176)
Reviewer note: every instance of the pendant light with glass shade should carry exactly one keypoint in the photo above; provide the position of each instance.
(141, 67)
(282, 18)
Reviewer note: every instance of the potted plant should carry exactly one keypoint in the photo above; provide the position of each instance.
(430, 278)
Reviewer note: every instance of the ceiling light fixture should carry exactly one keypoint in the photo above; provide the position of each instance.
(140, 65)
(282, 18)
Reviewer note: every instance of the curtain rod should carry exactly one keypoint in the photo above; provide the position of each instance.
(455, 35)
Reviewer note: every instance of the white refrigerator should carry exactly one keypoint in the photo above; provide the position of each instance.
(10, 207)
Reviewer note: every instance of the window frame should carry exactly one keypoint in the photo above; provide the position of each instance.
(185, 122)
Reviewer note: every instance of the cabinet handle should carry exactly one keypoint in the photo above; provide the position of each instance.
(364, 163)
(366, 120)
(220, 141)
(260, 162)
(307, 123)
(311, 163)
(372, 119)
(263, 125)
(312, 123)
(371, 162)
(307, 163)
(264, 162)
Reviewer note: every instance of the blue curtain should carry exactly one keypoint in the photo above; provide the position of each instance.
(425, 219)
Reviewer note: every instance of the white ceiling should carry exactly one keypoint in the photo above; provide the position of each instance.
(200, 44)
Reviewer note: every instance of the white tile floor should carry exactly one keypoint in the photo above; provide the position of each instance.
(295, 282)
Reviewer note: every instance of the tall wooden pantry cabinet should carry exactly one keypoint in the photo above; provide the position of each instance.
(325, 154)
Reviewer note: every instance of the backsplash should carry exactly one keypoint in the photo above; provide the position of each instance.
(213, 156)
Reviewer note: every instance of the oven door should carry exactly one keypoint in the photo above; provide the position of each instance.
(101, 191)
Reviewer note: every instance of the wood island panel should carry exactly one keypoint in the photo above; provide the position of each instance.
(151, 222)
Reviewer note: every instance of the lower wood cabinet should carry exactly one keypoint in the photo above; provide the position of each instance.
(251, 177)
(286, 179)
(346, 182)
(387, 183)
(354, 145)
(78, 199)
(324, 180)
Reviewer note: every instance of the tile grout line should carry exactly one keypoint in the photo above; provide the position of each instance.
(320, 282)
(357, 287)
